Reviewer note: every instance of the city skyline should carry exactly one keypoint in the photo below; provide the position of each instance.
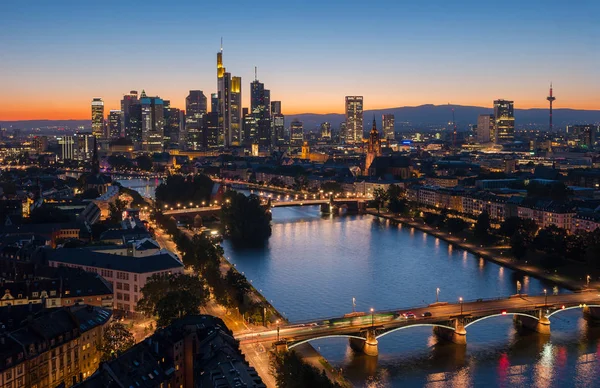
(396, 55)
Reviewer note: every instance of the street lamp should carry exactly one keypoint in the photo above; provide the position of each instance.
(437, 294)
(545, 297)
(277, 330)
(460, 300)
(587, 278)
(372, 317)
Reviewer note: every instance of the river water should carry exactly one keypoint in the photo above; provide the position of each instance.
(314, 265)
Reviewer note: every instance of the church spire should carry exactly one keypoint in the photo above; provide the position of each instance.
(374, 123)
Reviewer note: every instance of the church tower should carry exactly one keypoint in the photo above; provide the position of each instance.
(373, 147)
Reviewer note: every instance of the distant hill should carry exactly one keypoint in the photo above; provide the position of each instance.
(425, 115)
(442, 114)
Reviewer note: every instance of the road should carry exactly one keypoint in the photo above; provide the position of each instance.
(440, 312)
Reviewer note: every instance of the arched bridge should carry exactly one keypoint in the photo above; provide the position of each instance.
(449, 321)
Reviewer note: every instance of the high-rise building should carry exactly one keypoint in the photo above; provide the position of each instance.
(235, 133)
(127, 101)
(211, 130)
(354, 119)
(343, 132)
(585, 134)
(153, 123)
(296, 133)
(40, 144)
(275, 107)
(66, 147)
(84, 146)
(173, 124)
(114, 124)
(195, 112)
(504, 125)
(388, 125)
(326, 131)
(214, 102)
(98, 117)
(229, 93)
(485, 128)
(134, 126)
(261, 110)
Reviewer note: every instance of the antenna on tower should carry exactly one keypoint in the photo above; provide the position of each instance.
(221, 44)
(255, 73)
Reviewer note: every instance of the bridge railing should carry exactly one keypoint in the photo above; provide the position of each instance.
(419, 307)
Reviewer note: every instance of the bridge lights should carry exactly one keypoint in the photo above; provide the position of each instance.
(460, 300)
(372, 317)
(545, 297)
(503, 312)
(562, 307)
(437, 294)
(587, 278)
(277, 322)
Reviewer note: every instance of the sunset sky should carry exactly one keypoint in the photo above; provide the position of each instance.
(55, 56)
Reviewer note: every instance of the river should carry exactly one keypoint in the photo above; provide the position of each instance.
(314, 265)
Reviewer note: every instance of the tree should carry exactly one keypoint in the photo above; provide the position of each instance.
(144, 162)
(158, 287)
(246, 221)
(179, 189)
(482, 226)
(456, 225)
(379, 197)
(399, 206)
(394, 192)
(116, 210)
(552, 241)
(291, 372)
(519, 245)
(115, 340)
(176, 304)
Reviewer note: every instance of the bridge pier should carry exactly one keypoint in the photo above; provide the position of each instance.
(280, 346)
(592, 314)
(540, 325)
(367, 346)
(457, 336)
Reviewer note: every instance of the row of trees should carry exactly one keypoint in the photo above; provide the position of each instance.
(185, 189)
(245, 220)
(291, 372)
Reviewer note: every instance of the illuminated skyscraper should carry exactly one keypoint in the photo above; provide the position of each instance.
(195, 112)
(214, 102)
(388, 125)
(114, 124)
(66, 146)
(277, 124)
(98, 117)
(260, 107)
(485, 128)
(153, 123)
(230, 99)
(326, 131)
(235, 133)
(296, 133)
(173, 124)
(126, 103)
(275, 107)
(354, 119)
(504, 125)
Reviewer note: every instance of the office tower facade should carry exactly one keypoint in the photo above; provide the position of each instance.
(260, 106)
(585, 134)
(211, 130)
(296, 133)
(278, 137)
(235, 133)
(134, 126)
(173, 125)
(153, 123)
(126, 102)
(98, 117)
(66, 147)
(504, 125)
(485, 129)
(354, 119)
(388, 123)
(115, 124)
(276, 107)
(214, 102)
(84, 146)
(342, 133)
(326, 131)
(195, 112)
(40, 144)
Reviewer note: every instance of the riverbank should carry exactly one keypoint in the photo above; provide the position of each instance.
(503, 258)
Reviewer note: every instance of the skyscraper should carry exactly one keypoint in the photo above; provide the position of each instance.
(485, 128)
(66, 147)
(134, 125)
(235, 133)
(84, 146)
(229, 92)
(114, 124)
(153, 123)
(388, 125)
(214, 102)
(98, 117)
(277, 124)
(585, 134)
(260, 107)
(275, 107)
(326, 131)
(296, 133)
(127, 101)
(173, 124)
(354, 119)
(195, 112)
(504, 125)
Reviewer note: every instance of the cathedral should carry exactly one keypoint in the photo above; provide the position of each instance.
(373, 146)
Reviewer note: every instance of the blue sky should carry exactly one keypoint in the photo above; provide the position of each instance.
(56, 55)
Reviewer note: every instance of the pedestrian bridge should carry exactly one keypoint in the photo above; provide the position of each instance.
(449, 321)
